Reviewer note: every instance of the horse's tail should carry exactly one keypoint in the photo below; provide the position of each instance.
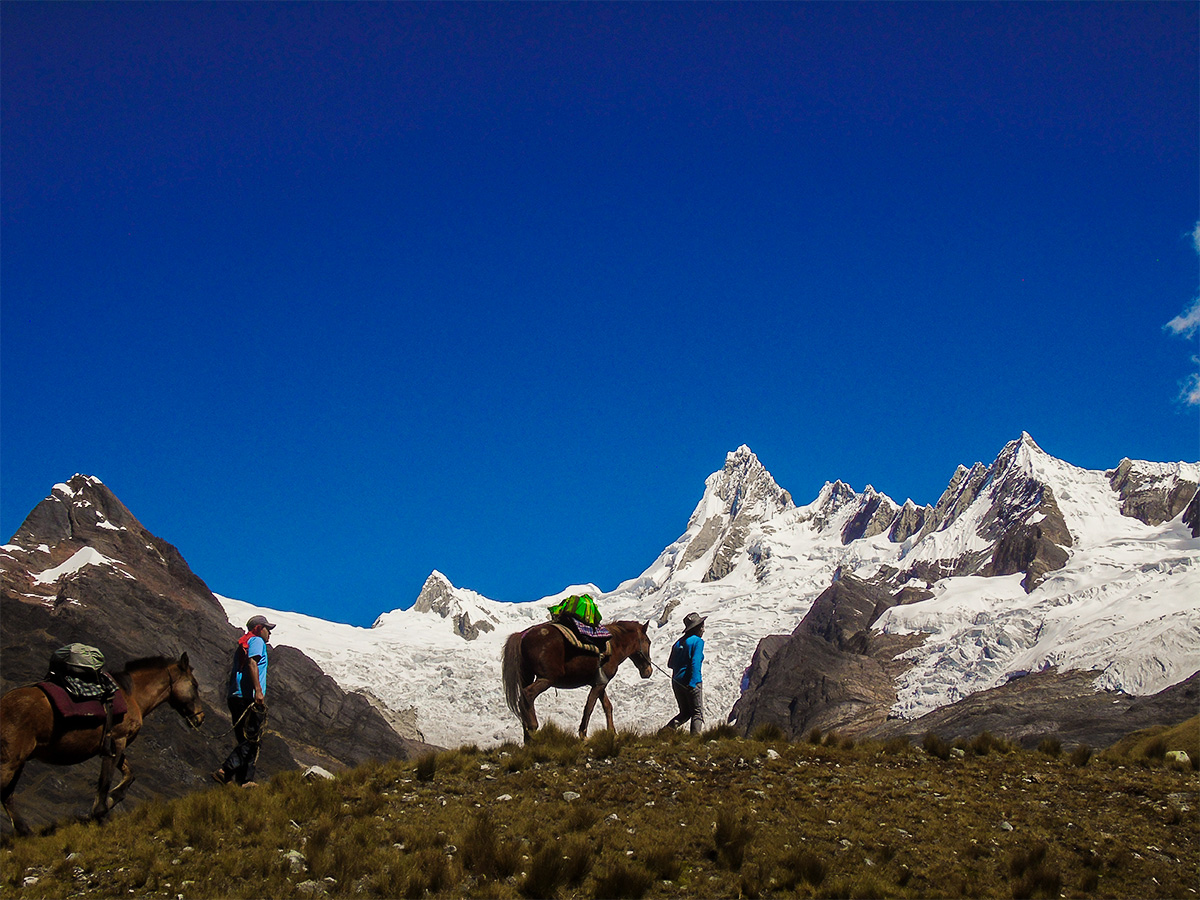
(512, 673)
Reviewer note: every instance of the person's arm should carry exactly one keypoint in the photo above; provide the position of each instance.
(255, 661)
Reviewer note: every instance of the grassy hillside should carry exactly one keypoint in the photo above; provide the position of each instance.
(642, 816)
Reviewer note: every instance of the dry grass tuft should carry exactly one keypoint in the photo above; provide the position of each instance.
(483, 852)
(623, 880)
(1033, 875)
(547, 871)
(803, 866)
(935, 746)
(1051, 746)
(732, 834)
(769, 733)
(721, 732)
(427, 767)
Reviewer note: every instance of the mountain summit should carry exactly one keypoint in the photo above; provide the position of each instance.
(738, 501)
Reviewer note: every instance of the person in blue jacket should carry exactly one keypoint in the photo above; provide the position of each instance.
(247, 702)
(687, 656)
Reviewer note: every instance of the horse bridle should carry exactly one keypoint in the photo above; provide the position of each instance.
(191, 718)
(644, 657)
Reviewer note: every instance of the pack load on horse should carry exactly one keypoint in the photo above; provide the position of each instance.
(78, 712)
(580, 614)
(542, 656)
(79, 670)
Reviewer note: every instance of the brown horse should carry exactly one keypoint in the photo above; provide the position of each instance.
(28, 729)
(540, 657)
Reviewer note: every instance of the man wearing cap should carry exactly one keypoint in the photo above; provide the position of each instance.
(247, 702)
(687, 655)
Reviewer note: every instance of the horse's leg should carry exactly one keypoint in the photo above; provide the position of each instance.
(607, 704)
(529, 719)
(596, 691)
(118, 793)
(22, 722)
(101, 806)
(12, 774)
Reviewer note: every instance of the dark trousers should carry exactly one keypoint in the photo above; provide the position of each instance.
(691, 705)
(247, 728)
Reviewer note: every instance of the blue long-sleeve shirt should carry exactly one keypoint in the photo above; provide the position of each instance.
(687, 655)
(240, 686)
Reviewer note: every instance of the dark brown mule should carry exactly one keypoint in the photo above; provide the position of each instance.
(540, 657)
(28, 729)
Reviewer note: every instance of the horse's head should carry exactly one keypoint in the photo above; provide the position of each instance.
(641, 655)
(185, 692)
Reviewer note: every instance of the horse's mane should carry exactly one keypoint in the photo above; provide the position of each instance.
(149, 662)
(136, 665)
(623, 625)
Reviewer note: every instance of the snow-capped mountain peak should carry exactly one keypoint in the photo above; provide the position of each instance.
(743, 488)
(472, 614)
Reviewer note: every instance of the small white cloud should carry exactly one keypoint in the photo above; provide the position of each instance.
(1186, 325)
(1191, 389)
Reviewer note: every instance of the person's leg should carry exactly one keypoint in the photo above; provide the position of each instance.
(683, 697)
(253, 727)
(697, 703)
(235, 765)
(233, 761)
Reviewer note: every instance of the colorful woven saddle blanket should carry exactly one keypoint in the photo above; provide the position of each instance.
(598, 633)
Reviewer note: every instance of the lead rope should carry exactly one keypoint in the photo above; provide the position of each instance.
(237, 722)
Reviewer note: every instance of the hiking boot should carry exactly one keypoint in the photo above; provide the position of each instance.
(220, 777)
(250, 784)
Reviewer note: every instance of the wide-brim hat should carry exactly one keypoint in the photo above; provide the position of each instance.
(258, 622)
(692, 622)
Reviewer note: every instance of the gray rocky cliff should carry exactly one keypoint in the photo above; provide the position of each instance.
(1151, 493)
(831, 673)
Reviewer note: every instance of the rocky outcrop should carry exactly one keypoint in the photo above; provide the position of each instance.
(1191, 515)
(1152, 493)
(1027, 526)
(1011, 510)
(834, 498)
(1065, 705)
(437, 596)
(831, 673)
(909, 521)
(960, 493)
(403, 721)
(875, 515)
(82, 568)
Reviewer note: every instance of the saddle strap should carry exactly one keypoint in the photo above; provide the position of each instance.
(106, 738)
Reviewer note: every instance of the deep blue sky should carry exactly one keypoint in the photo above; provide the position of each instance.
(334, 295)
